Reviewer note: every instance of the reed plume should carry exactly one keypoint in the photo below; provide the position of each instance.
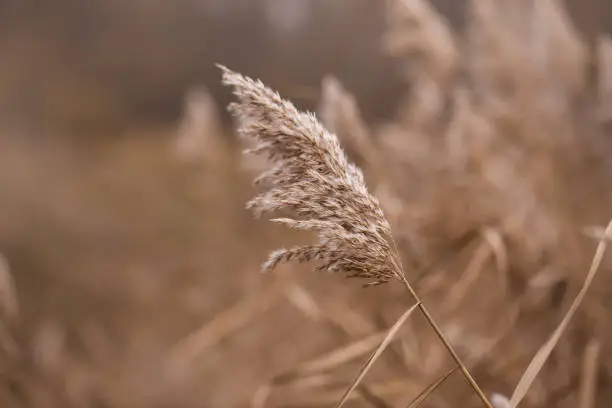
(340, 114)
(313, 181)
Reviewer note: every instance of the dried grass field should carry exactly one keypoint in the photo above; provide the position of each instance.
(130, 267)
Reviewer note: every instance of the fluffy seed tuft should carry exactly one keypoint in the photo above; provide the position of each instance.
(312, 181)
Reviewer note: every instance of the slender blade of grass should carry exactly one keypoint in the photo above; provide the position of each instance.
(542, 355)
(431, 388)
(377, 353)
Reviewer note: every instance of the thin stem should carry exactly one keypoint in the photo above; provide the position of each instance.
(446, 343)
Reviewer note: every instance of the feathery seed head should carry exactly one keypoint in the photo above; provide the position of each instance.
(312, 180)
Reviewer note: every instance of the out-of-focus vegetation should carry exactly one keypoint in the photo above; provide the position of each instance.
(484, 131)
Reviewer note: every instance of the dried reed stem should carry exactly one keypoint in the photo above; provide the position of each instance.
(590, 366)
(449, 348)
(313, 182)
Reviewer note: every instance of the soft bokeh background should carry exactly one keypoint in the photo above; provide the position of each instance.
(121, 249)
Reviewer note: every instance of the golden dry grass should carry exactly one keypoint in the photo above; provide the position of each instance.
(135, 264)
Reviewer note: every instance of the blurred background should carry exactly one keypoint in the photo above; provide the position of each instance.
(132, 268)
(102, 65)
